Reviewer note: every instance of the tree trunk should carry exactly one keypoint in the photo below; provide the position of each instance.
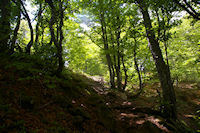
(13, 41)
(118, 68)
(110, 67)
(58, 43)
(125, 73)
(5, 28)
(42, 32)
(29, 45)
(162, 69)
(114, 57)
(59, 47)
(137, 67)
(37, 26)
(106, 48)
(189, 9)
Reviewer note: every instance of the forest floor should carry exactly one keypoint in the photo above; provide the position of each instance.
(34, 102)
(140, 115)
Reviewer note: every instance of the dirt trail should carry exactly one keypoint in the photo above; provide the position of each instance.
(139, 115)
(131, 114)
(84, 105)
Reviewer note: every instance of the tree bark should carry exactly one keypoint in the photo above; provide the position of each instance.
(113, 55)
(125, 73)
(42, 31)
(137, 67)
(59, 47)
(29, 45)
(58, 43)
(106, 48)
(37, 26)
(13, 41)
(162, 69)
(188, 9)
(118, 68)
(5, 28)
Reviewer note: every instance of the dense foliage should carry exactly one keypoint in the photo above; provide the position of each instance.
(126, 42)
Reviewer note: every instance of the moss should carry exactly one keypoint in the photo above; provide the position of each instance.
(94, 100)
(105, 116)
(78, 111)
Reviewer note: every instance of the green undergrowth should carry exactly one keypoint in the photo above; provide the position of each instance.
(33, 99)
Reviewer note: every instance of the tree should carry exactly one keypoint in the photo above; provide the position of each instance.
(25, 13)
(39, 19)
(111, 17)
(57, 16)
(15, 33)
(184, 53)
(5, 27)
(106, 47)
(162, 69)
(190, 6)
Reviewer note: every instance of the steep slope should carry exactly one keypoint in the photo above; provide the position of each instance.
(33, 100)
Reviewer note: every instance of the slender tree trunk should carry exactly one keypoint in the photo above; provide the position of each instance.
(106, 48)
(118, 68)
(162, 69)
(125, 73)
(39, 16)
(13, 41)
(189, 9)
(114, 60)
(59, 47)
(113, 55)
(110, 67)
(165, 39)
(5, 28)
(58, 43)
(42, 31)
(137, 67)
(24, 12)
(166, 53)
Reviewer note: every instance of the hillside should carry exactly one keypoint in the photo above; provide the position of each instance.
(32, 100)
(99, 66)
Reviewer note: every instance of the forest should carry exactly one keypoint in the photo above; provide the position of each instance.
(99, 66)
